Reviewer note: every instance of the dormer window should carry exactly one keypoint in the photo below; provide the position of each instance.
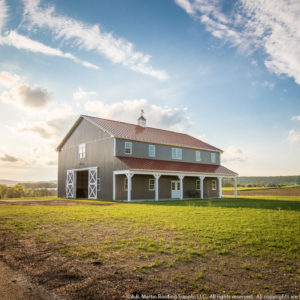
(81, 151)
(152, 150)
(128, 148)
(198, 156)
(176, 153)
(213, 157)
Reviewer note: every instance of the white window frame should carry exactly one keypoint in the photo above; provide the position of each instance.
(151, 184)
(82, 151)
(214, 185)
(128, 145)
(125, 184)
(151, 150)
(198, 156)
(177, 153)
(213, 157)
(198, 185)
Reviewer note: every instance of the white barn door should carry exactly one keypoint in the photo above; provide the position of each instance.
(92, 193)
(70, 184)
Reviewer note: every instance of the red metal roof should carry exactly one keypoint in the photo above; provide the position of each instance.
(149, 134)
(163, 165)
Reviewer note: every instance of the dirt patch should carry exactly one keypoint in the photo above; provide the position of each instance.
(74, 279)
(267, 192)
(59, 202)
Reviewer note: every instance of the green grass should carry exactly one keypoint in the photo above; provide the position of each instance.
(149, 235)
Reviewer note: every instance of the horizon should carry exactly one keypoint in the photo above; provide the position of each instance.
(220, 72)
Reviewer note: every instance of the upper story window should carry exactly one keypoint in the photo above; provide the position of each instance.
(176, 153)
(81, 150)
(152, 150)
(128, 148)
(198, 156)
(213, 157)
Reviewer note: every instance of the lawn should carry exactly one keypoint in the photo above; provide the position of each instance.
(244, 245)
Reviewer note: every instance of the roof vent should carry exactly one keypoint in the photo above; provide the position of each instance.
(141, 120)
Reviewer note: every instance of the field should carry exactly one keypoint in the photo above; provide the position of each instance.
(105, 250)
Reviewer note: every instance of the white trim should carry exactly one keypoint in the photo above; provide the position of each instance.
(201, 186)
(129, 176)
(114, 186)
(235, 186)
(115, 147)
(171, 173)
(220, 186)
(196, 155)
(156, 176)
(149, 146)
(181, 186)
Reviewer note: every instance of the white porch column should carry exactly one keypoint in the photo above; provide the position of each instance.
(156, 176)
(201, 186)
(181, 186)
(235, 187)
(220, 187)
(129, 176)
(114, 186)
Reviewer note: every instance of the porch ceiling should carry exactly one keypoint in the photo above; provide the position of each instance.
(162, 165)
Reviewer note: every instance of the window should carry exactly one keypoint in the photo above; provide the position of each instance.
(213, 157)
(152, 150)
(198, 156)
(98, 185)
(151, 184)
(176, 153)
(81, 150)
(128, 148)
(125, 184)
(214, 185)
(198, 185)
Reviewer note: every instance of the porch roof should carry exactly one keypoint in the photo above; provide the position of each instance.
(163, 165)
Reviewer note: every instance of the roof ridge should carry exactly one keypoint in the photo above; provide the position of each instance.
(177, 132)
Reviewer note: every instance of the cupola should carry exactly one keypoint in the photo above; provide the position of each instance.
(141, 121)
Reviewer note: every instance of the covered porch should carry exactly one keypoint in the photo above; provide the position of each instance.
(133, 185)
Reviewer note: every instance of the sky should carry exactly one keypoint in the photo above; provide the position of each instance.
(226, 72)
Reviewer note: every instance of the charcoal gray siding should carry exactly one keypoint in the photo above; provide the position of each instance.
(99, 153)
(163, 152)
(140, 187)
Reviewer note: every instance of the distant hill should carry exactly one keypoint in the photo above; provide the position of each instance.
(30, 184)
(265, 180)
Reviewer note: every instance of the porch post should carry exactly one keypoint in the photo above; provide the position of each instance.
(220, 187)
(156, 176)
(235, 187)
(181, 186)
(114, 186)
(201, 186)
(129, 175)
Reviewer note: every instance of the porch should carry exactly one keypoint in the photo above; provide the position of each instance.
(135, 185)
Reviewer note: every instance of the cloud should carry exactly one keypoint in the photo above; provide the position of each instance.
(128, 111)
(233, 154)
(296, 118)
(253, 24)
(35, 98)
(3, 14)
(8, 79)
(19, 41)
(90, 38)
(293, 136)
(56, 124)
(8, 158)
(81, 94)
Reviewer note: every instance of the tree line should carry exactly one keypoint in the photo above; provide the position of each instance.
(25, 190)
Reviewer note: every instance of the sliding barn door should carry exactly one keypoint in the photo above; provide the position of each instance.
(70, 184)
(93, 183)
